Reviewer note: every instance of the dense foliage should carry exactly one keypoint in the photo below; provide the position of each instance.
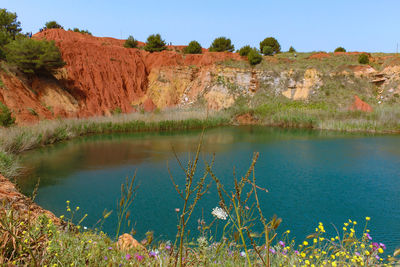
(155, 43)
(9, 23)
(6, 118)
(245, 50)
(363, 59)
(340, 49)
(292, 50)
(34, 56)
(194, 47)
(267, 50)
(222, 44)
(53, 25)
(131, 42)
(254, 57)
(271, 42)
(9, 28)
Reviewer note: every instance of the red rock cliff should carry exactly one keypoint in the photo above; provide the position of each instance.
(99, 77)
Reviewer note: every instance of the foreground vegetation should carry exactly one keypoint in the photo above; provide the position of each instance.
(44, 242)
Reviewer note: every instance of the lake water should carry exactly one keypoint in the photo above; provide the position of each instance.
(311, 176)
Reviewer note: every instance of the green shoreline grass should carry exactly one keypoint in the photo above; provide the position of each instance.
(17, 139)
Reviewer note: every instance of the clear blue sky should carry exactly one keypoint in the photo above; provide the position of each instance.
(308, 25)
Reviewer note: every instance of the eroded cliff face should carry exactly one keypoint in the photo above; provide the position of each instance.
(101, 76)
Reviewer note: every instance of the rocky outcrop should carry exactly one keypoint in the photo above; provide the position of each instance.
(127, 242)
(10, 197)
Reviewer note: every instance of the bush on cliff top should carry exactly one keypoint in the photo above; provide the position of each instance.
(34, 56)
(363, 59)
(340, 49)
(53, 25)
(245, 50)
(155, 43)
(194, 47)
(267, 50)
(254, 57)
(80, 31)
(131, 42)
(9, 23)
(222, 44)
(272, 42)
(9, 29)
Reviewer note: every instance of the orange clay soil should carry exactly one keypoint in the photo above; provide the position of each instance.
(99, 77)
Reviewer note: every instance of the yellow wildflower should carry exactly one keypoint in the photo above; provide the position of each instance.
(367, 218)
(305, 243)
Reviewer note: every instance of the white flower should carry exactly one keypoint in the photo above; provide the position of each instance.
(243, 254)
(219, 213)
(202, 241)
(84, 227)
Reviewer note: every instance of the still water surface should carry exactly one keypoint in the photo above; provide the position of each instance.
(311, 177)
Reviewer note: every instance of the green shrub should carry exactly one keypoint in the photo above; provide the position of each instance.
(80, 31)
(131, 42)
(363, 59)
(155, 43)
(9, 29)
(53, 25)
(34, 56)
(292, 50)
(268, 51)
(193, 48)
(9, 23)
(222, 44)
(6, 118)
(271, 42)
(245, 50)
(340, 49)
(254, 57)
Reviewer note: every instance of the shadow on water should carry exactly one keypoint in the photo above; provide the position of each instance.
(312, 176)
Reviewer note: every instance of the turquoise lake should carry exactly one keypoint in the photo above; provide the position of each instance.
(311, 176)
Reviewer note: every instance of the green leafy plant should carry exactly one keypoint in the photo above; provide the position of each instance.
(9, 23)
(271, 42)
(194, 47)
(53, 25)
(6, 118)
(340, 49)
(254, 57)
(245, 50)
(80, 31)
(267, 50)
(131, 42)
(292, 50)
(363, 59)
(222, 44)
(155, 43)
(34, 56)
